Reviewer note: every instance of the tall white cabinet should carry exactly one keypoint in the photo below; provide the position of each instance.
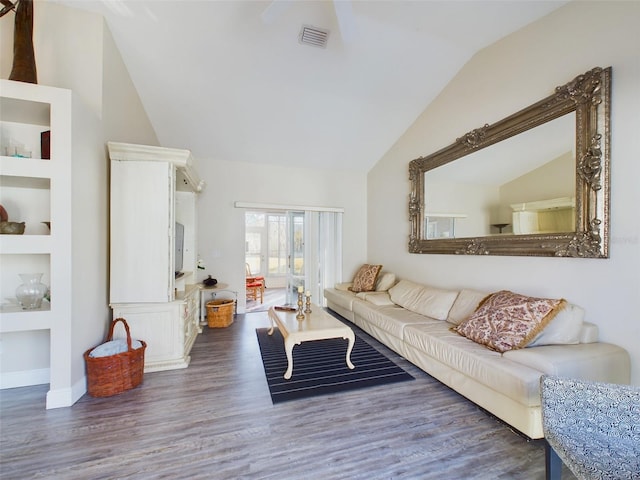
(152, 190)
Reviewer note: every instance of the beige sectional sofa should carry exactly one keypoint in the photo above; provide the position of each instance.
(416, 322)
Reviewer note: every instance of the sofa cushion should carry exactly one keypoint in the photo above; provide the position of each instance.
(516, 381)
(564, 329)
(376, 298)
(345, 287)
(506, 320)
(391, 319)
(340, 298)
(428, 301)
(386, 280)
(365, 279)
(466, 303)
(595, 361)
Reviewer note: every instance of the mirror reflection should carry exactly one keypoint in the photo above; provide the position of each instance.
(524, 184)
(535, 183)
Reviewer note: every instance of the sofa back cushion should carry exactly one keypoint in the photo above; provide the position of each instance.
(564, 329)
(428, 301)
(381, 299)
(464, 306)
(385, 281)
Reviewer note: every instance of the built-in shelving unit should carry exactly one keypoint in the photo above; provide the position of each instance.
(35, 190)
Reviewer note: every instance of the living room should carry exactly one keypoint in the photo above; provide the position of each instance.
(499, 80)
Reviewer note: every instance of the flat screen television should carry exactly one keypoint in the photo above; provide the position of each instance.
(179, 251)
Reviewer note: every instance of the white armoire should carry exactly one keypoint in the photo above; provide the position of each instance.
(154, 194)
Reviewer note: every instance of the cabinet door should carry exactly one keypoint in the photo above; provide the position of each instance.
(142, 228)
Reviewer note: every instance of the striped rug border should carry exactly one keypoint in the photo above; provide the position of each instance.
(319, 367)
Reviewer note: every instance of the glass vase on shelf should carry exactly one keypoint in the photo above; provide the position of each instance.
(31, 292)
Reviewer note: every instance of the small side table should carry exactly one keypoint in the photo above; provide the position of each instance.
(211, 293)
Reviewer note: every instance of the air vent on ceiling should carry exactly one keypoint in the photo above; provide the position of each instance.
(314, 36)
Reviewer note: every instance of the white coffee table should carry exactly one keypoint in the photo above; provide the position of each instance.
(317, 325)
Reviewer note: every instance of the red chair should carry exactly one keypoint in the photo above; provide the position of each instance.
(255, 286)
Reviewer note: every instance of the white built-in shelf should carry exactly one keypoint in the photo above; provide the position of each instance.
(15, 319)
(35, 190)
(25, 244)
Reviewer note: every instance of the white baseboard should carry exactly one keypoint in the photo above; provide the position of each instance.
(65, 397)
(61, 397)
(24, 378)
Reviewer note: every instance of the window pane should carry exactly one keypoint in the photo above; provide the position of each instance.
(277, 242)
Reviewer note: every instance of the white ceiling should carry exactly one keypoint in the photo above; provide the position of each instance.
(229, 80)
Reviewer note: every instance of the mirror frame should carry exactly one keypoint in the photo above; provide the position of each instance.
(589, 96)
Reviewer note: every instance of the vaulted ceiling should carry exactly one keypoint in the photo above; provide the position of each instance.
(229, 80)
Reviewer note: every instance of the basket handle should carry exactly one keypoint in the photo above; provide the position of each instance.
(126, 327)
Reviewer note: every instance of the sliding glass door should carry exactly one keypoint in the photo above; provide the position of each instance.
(296, 255)
(295, 248)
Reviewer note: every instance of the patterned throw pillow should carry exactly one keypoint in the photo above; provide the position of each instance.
(365, 279)
(505, 320)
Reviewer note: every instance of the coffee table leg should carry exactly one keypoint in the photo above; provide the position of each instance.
(352, 339)
(288, 348)
(273, 324)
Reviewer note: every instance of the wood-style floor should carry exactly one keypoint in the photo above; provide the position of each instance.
(215, 420)
(271, 297)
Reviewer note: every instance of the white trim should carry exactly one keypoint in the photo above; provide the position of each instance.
(554, 203)
(65, 397)
(274, 206)
(446, 215)
(24, 378)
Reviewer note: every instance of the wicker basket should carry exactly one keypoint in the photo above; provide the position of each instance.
(117, 373)
(220, 313)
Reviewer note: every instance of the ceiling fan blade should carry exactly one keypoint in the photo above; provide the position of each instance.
(274, 10)
(346, 20)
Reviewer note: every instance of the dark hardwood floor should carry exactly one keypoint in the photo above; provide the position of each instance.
(215, 420)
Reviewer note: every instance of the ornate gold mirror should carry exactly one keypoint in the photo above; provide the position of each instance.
(534, 184)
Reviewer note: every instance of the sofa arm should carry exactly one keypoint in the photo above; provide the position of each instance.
(600, 362)
(589, 333)
(343, 287)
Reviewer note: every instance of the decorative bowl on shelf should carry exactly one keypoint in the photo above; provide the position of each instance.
(209, 282)
(11, 228)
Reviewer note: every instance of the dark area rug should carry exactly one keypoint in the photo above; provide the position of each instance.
(319, 367)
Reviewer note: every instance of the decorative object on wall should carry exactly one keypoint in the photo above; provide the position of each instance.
(31, 292)
(584, 105)
(45, 145)
(24, 60)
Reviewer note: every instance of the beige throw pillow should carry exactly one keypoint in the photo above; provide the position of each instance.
(365, 279)
(505, 320)
(386, 280)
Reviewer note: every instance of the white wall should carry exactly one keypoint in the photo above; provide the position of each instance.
(221, 225)
(74, 50)
(505, 77)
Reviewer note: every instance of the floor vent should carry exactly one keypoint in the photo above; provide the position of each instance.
(314, 36)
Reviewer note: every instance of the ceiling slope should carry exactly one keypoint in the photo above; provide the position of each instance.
(230, 81)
